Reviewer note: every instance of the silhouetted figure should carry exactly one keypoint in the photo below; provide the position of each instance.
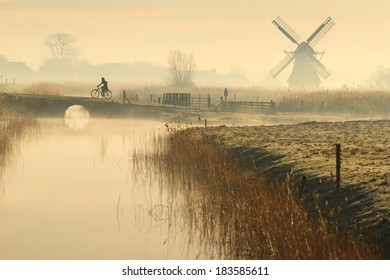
(104, 88)
(225, 93)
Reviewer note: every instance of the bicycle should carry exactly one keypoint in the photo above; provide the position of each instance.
(95, 93)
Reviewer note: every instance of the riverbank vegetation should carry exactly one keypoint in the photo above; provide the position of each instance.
(13, 127)
(234, 214)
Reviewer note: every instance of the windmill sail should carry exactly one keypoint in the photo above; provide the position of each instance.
(307, 69)
(321, 69)
(281, 65)
(320, 32)
(286, 30)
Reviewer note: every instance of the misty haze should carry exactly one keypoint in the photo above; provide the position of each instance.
(170, 130)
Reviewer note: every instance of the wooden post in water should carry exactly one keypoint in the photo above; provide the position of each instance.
(338, 165)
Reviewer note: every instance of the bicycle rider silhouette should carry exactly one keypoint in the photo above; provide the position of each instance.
(104, 88)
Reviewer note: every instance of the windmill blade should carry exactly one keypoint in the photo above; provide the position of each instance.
(286, 30)
(282, 65)
(321, 69)
(320, 32)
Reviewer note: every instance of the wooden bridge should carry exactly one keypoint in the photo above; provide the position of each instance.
(53, 105)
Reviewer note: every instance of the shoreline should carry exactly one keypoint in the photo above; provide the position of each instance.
(361, 205)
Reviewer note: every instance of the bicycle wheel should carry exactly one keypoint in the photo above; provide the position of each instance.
(108, 94)
(95, 93)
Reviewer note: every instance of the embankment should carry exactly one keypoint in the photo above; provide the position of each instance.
(361, 205)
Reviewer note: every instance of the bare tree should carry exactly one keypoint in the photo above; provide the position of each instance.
(62, 46)
(181, 68)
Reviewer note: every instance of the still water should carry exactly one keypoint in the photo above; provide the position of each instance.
(72, 193)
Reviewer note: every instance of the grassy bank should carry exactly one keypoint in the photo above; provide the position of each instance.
(235, 214)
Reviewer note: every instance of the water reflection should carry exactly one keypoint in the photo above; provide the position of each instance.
(76, 117)
(72, 195)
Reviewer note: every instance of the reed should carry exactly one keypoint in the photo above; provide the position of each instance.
(43, 89)
(235, 214)
(13, 127)
(356, 102)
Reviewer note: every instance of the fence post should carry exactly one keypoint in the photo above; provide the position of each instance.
(199, 100)
(205, 122)
(273, 109)
(125, 98)
(223, 105)
(208, 101)
(338, 165)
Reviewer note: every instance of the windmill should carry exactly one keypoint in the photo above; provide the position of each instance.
(307, 67)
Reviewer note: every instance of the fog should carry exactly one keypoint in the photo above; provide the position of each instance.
(227, 38)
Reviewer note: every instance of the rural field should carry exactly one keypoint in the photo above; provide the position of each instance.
(240, 174)
(308, 149)
(286, 146)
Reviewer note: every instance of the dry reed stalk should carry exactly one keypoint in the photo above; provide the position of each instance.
(13, 127)
(237, 214)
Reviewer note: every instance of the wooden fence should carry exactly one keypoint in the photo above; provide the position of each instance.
(177, 99)
(247, 106)
(185, 99)
(201, 102)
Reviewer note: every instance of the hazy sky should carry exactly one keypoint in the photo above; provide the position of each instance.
(222, 34)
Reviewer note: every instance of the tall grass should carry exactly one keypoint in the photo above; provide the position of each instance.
(43, 89)
(13, 127)
(233, 212)
(337, 101)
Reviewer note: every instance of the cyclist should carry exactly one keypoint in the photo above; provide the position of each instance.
(104, 88)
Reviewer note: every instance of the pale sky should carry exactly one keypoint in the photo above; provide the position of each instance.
(221, 34)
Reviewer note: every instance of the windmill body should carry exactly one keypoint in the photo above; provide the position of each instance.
(307, 68)
(304, 73)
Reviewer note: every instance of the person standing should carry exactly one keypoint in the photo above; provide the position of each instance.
(225, 93)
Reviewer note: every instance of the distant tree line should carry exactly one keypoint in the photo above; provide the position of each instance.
(63, 63)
